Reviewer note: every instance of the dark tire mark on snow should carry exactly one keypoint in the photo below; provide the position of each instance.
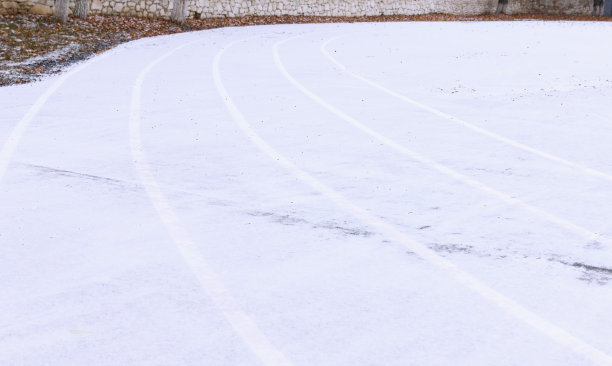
(288, 220)
(588, 267)
(291, 220)
(71, 174)
(592, 274)
(451, 248)
(345, 230)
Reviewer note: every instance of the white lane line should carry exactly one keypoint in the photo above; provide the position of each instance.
(510, 306)
(567, 225)
(9, 147)
(461, 122)
(242, 324)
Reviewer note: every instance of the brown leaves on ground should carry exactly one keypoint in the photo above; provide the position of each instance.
(32, 45)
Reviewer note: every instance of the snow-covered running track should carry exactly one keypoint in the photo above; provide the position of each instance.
(155, 212)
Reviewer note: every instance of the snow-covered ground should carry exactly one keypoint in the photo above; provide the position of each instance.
(363, 194)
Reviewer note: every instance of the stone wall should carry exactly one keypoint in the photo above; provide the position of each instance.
(338, 7)
(231, 8)
(571, 7)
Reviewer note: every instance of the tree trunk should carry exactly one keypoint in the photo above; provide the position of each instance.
(179, 11)
(501, 6)
(608, 8)
(81, 7)
(60, 12)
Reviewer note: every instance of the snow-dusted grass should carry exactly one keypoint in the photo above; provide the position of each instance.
(366, 194)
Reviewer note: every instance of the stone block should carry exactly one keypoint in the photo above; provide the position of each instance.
(96, 5)
(41, 9)
(10, 5)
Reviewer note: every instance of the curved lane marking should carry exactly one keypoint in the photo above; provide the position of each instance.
(9, 147)
(567, 225)
(242, 324)
(554, 332)
(459, 121)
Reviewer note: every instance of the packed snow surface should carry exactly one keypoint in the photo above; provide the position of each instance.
(338, 194)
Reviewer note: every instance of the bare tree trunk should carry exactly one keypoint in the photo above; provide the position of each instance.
(60, 12)
(81, 7)
(598, 8)
(607, 8)
(501, 6)
(179, 12)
